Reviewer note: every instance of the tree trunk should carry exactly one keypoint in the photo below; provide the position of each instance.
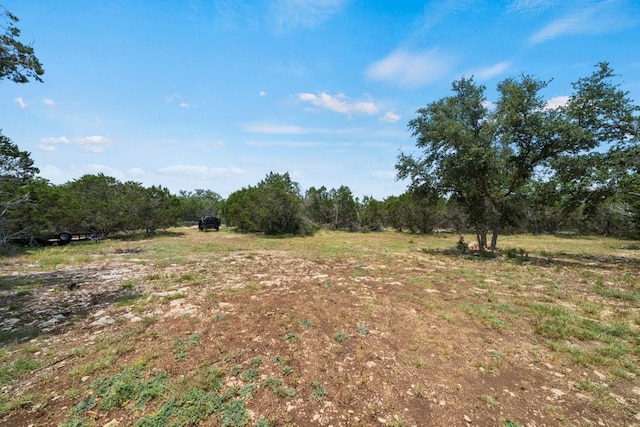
(494, 236)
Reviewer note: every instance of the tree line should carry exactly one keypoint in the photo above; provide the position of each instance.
(515, 165)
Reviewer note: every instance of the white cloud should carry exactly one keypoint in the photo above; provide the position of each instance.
(339, 103)
(558, 101)
(291, 14)
(136, 172)
(391, 175)
(200, 172)
(263, 93)
(55, 140)
(48, 101)
(94, 143)
(410, 69)
(390, 117)
(184, 105)
(49, 148)
(20, 102)
(492, 71)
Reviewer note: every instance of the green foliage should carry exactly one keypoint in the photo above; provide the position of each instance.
(487, 160)
(235, 414)
(292, 337)
(199, 203)
(319, 392)
(16, 368)
(341, 336)
(274, 206)
(19, 63)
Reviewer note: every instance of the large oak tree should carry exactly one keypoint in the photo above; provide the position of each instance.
(483, 156)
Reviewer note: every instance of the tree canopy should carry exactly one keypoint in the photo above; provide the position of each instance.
(484, 158)
(18, 61)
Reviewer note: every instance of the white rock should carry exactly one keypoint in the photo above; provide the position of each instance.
(103, 321)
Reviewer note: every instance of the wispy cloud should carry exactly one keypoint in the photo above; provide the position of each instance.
(492, 71)
(293, 14)
(390, 117)
(596, 18)
(48, 101)
(20, 102)
(529, 6)
(280, 129)
(410, 69)
(200, 172)
(387, 175)
(177, 98)
(339, 103)
(55, 140)
(270, 128)
(287, 144)
(49, 148)
(92, 144)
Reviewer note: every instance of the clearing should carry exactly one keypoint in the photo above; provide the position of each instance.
(339, 329)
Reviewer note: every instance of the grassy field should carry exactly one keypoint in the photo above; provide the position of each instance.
(341, 329)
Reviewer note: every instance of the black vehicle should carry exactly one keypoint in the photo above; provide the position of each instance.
(207, 222)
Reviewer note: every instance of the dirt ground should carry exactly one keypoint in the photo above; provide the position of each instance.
(367, 336)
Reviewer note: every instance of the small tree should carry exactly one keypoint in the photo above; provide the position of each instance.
(274, 206)
(16, 171)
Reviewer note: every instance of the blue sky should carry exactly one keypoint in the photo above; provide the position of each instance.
(215, 94)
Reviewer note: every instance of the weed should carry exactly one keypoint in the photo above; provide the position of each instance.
(517, 254)
(306, 323)
(16, 368)
(397, 421)
(179, 352)
(84, 405)
(262, 422)
(509, 423)
(128, 299)
(363, 330)
(194, 339)
(235, 414)
(341, 336)
(319, 392)
(291, 337)
(250, 375)
(485, 314)
(256, 362)
(118, 389)
(187, 277)
(287, 370)
(600, 289)
(489, 400)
